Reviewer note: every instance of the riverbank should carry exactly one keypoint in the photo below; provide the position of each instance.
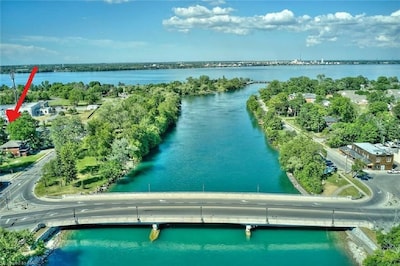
(53, 239)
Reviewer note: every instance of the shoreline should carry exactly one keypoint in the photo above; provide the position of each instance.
(355, 243)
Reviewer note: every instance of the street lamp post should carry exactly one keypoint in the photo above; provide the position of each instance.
(12, 75)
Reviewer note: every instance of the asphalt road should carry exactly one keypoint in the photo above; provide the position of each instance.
(24, 210)
(149, 206)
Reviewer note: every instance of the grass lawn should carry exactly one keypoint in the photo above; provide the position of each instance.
(360, 184)
(332, 183)
(350, 191)
(59, 102)
(18, 164)
(88, 180)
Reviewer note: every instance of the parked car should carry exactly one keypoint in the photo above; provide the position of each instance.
(393, 171)
(363, 176)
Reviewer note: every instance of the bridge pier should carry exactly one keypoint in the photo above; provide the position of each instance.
(248, 231)
(155, 232)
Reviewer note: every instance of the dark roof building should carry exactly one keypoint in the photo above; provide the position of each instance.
(16, 147)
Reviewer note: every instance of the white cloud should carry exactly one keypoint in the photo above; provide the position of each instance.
(11, 53)
(200, 11)
(395, 14)
(283, 17)
(359, 30)
(9, 50)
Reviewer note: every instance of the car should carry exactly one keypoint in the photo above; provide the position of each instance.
(393, 171)
(363, 176)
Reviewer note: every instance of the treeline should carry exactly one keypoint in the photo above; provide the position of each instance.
(174, 65)
(93, 92)
(388, 253)
(74, 92)
(122, 131)
(341, 120)
(16, 247)
(327, 112)
(297, 154)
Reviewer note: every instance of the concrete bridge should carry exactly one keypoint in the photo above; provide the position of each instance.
(247, 209)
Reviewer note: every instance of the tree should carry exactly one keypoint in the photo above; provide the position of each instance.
(296, 104)
(302, 157)
(342, 108)
(12, 252)
(68, 156)
(24, 128)
(120, 151)
(396, 111)
(279, 103)
(3, 134)
(377, 107)
(51, 171)
(75, 95)
(66, 129)
(357, 167)
(311, 117)
(389, 252)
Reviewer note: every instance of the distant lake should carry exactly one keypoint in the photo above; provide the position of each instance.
(267, 73)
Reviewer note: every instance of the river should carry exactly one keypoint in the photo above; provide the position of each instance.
(215, 146)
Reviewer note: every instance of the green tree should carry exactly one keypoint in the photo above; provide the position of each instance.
(311, 117)
(389, 252)
(302, 157)
(24, 128)
(66, 129)
(296, 104)
(377, 107)
(75, 96)
(13, 245)
(3, 134)
(120, 151)
(357, 167)
(396, 111)
(279, 104)
(51, 171)
(342, 108)
(68, 155)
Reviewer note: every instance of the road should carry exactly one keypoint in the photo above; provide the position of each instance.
(197, 207)
(20, 192)
(279, 209)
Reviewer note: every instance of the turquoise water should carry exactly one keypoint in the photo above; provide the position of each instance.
(199, 246)
(216, 146)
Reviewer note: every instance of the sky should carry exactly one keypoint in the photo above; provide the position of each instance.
(113, 31)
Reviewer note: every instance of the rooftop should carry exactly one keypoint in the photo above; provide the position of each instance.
(372, 149)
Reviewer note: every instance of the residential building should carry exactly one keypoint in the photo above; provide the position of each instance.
(16, 147)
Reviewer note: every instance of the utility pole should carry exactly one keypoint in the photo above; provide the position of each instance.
(12, 75)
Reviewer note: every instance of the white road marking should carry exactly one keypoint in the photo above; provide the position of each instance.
(7, 221)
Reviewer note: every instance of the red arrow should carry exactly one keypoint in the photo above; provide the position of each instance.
(14, 114)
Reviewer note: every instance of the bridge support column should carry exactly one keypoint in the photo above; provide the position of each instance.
(155, 232)
(248, 231)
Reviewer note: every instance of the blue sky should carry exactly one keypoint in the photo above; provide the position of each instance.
(97, 31)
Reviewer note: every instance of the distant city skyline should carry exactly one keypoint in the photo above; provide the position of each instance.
(113, 31)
